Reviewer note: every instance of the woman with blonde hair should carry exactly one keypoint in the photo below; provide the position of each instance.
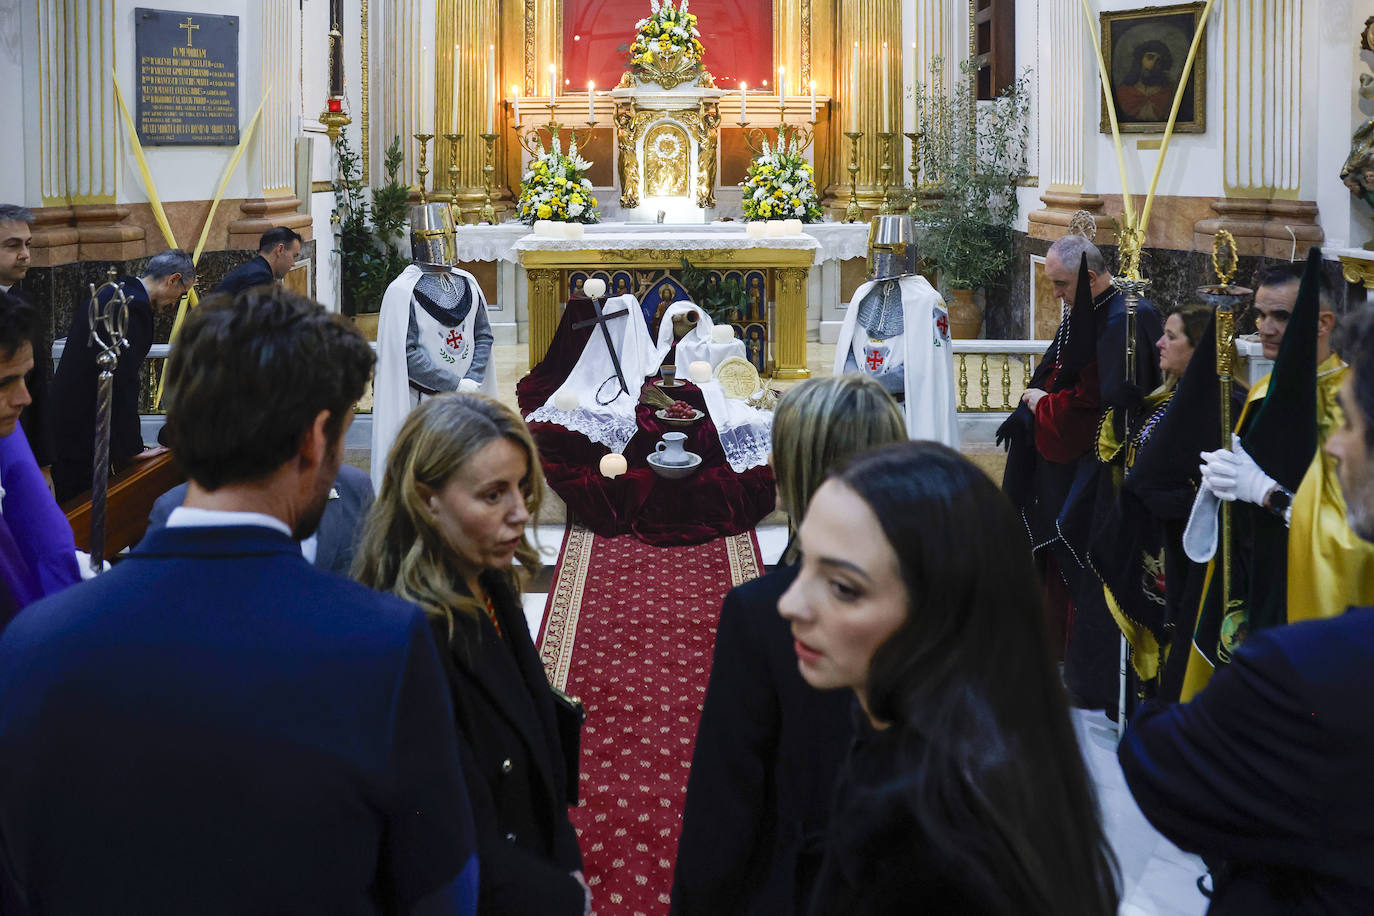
(769, 746)
(461, 482)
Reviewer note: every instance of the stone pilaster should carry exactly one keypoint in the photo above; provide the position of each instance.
(1261, 46)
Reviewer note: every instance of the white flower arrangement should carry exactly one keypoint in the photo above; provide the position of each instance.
(781, 184)
(555, 187)
(667, 36)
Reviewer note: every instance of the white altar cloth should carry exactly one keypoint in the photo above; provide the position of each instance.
(504, 242)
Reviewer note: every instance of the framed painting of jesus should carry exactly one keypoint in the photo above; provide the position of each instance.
(1145, 51)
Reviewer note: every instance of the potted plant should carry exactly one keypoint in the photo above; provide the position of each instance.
(781, 184)
(972, 156)
(556, 187)
(370, 233)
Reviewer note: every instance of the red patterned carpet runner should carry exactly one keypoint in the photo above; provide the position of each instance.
(629, 629)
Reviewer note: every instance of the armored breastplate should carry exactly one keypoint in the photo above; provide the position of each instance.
(880, 310)
(445, 296)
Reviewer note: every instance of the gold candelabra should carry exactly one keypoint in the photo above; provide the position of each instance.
(422, 170)
(453, 175)
(532, 140)
(914, 168)
(489, 180)
(886, 170)
(853, 213)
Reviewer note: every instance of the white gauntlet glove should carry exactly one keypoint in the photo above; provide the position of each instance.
(468, 384)
(1233, 475)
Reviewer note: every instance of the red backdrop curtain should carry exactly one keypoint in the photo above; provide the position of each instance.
(737, 35)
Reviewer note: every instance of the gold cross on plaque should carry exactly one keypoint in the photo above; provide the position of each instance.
(188, 27)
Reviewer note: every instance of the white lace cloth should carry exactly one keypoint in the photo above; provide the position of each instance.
(593, 380)
(829, 241)
(746, 433)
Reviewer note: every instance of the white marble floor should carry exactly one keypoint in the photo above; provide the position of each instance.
(1158, 879)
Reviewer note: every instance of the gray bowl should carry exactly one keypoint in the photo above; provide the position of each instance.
(674, 471)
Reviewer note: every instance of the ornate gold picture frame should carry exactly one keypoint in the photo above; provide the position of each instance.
(1145, 51)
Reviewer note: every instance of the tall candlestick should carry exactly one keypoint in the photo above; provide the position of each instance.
(813, 101)
(591, 102)
(853, 100)
(887, 115)
(782, 82)
(553, 82)
(743, 101)
(491, 88)
(515, 103)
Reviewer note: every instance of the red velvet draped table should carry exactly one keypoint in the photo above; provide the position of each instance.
(712, 502)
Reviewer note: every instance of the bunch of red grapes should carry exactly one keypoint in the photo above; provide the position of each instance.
(680, 410)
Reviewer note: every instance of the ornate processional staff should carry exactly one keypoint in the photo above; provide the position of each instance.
(1226, 299)
(108, 325)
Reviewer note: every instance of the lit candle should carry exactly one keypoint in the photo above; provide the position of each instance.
(887, 122)
(782, 82)
(854, 90)
(515, 103)
(813, 100)
(491, 87)
(743, 100)
(453, 112)
(426, 96)
(553, 82)
(591, 102)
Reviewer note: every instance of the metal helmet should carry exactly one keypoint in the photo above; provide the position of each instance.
(891, 247)
(432, 236)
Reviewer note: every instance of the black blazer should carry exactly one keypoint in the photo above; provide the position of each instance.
(256, 272)
(72, 406)
(1267, 770)
(513, 763)
(763, 770)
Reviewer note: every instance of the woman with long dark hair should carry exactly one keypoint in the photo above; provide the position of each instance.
(965, 791)
(769, 746)
(462, 481)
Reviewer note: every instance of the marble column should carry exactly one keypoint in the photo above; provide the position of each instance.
(1068, 105)
(79, 128)
(870, 23)
(1261, 124)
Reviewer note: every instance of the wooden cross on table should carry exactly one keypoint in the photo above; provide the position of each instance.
(602, 319)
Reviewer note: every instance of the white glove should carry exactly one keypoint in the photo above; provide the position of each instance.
(468, 384)
(1233, 475)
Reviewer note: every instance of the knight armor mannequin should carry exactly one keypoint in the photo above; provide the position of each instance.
(879, 348)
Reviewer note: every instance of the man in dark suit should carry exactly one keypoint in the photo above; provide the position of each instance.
(1266, 773)
(15, 236)
(168, 276)
(333, 545)
(277, 252)
(214, 726)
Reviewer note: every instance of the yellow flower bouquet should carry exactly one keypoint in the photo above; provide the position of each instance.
(781, 184)
(667, 47)
(555, 187)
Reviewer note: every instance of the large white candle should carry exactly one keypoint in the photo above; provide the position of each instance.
(887, 122)
(553, 82)
(491, 88)
(453, 113)
(853, 100)
(782, 83)
(515, 103)
(813, 100)
(591, 102)
(426, 118)
(743, 101)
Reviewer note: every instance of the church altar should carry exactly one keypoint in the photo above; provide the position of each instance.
(498, 256)
(776, 268)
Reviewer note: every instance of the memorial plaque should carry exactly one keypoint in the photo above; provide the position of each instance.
(188, 78)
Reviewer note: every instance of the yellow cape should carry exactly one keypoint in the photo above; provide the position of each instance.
(1329, 568)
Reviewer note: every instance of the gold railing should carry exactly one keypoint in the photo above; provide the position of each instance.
(1003, 371)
